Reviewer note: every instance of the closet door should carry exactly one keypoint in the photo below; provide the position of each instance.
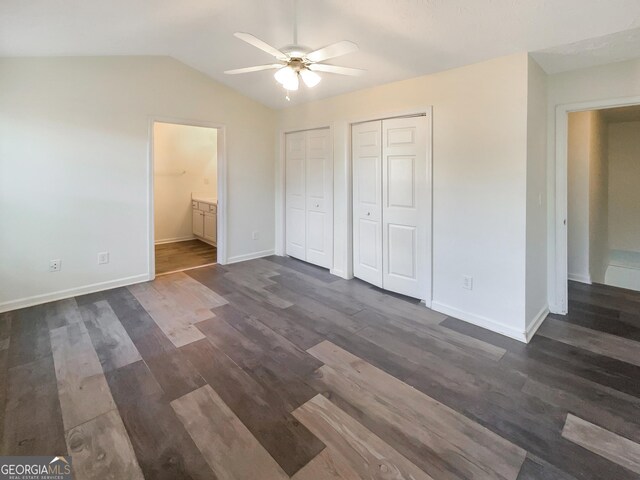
(295, 195)
(319, 192)
(367, 201)
(405, 201)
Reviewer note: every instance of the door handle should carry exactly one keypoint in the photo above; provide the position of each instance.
(368, 214)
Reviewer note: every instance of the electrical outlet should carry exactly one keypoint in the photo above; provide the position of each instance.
(103, 258)
(55, 265)
(467, 282)
(255, 235)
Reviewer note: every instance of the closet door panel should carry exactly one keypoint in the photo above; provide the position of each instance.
(367, 201)
(404, 213)
(295, 191)
(319, 188)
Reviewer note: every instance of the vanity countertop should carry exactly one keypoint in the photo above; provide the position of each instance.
(203, 199)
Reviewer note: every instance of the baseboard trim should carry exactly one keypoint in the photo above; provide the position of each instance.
(480, 321)
(537, 321)
(250, 256)
(71, 292)
(176, 240)
(580, 278)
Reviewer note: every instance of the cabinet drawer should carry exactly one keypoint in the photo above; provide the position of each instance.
(194, 204)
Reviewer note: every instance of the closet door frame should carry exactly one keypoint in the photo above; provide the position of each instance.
(426, 296)
(281, 244)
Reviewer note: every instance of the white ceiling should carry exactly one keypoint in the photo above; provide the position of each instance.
(398, 39)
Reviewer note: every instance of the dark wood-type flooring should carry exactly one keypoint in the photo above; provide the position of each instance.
(275, 369)
(173, 257)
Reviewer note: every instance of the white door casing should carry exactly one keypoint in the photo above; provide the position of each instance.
(405, 199)
(295, 187)
(367, 201)
(319, 210)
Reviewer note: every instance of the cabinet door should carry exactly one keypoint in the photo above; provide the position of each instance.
(295, 195)
(367, 201)
(405, 214)
(198, 223)
(319, 191)
(210, 227)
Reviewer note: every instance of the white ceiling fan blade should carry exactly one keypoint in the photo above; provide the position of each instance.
(257, 68)
(333, 50)
(265, 47)
(323, 67)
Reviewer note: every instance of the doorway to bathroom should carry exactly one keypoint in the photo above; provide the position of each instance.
(187, 230)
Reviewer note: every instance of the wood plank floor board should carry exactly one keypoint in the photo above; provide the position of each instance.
(602, 324)
(257, 337)
(314, 271)
(101, 449)
(318, 309)
(213, 278)
(82, 388)
(409, 309)
(427, 421)
(289, 322)
(445, 361)
(521, 419)
(174, 321)
(619, 416)
(333, 298)
(162, 446)
(579, 362)
(620, 450)
(232, 452)
(33, 419)
(188, 304)
(62, 313)
(592, 340)
(207, 297)
(534, 468)
(286, 440)
(365, 452)
(328, 465)
(110, 339)
(29, 336)
(175, 375)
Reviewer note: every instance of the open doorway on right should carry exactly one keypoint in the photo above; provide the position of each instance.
(604, 197)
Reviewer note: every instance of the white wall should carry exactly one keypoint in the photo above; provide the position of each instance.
(536, 267)
(578, 196)
(74, 167)
(598, 199)
(479, 174)
(588, 197)
(624, 186)
(185, 163)
(614, 83)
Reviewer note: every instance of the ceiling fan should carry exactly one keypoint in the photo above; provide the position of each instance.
(296, 61)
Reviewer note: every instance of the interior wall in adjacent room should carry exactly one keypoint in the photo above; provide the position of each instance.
(185, 163)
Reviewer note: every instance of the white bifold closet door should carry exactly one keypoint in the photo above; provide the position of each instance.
(309, 196)
(391, 204)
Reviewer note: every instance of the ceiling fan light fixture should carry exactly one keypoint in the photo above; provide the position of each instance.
(310, 79)
(285, 75)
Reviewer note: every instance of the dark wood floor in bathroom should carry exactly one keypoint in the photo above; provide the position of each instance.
(275, 369)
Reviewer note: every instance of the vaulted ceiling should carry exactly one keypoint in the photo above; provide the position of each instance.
(398, 39)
